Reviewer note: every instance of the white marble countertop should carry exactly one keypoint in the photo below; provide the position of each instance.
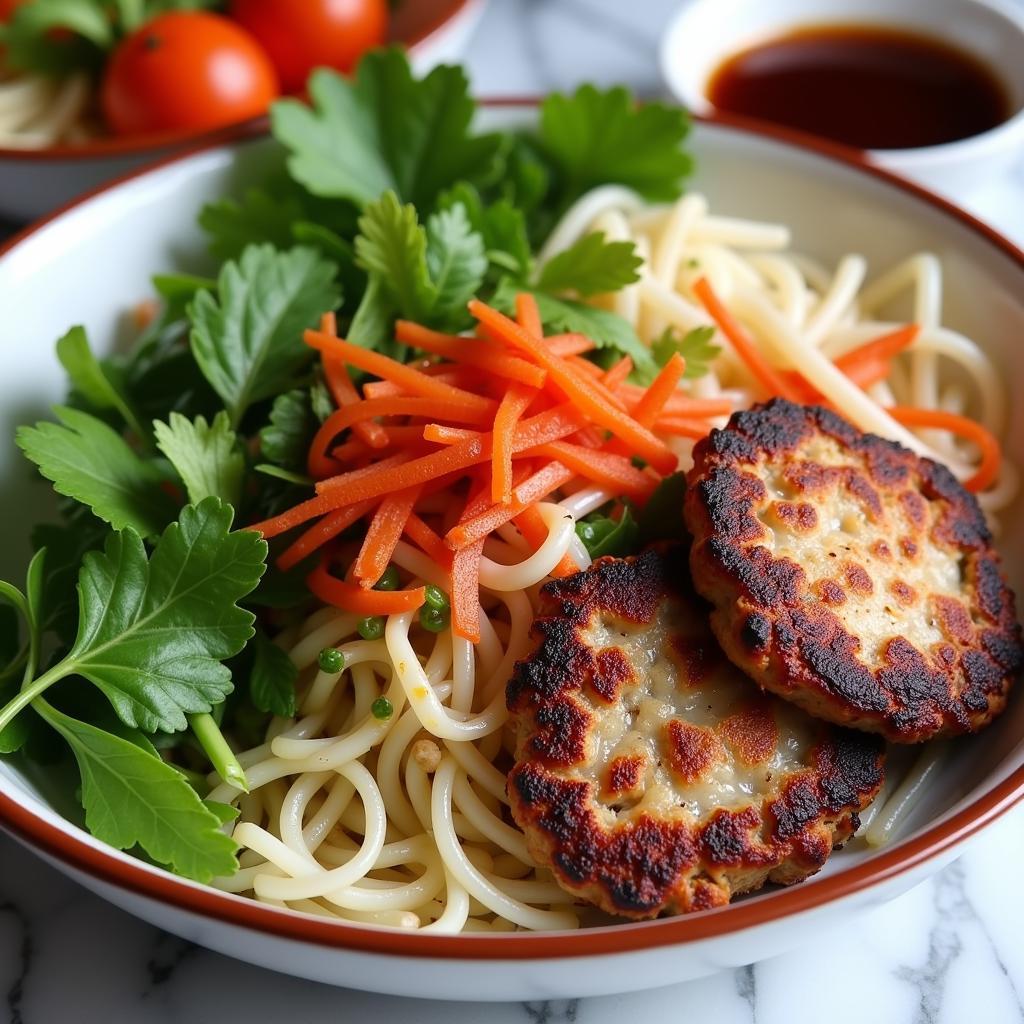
(947, 952)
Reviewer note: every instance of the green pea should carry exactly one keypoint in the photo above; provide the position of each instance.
(436, 598)
(331, 660)
(389, 580)
(371, 628)
(433, 619)
(382, 708)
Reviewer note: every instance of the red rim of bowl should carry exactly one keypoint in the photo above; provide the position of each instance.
(189, 897)
(155, 144)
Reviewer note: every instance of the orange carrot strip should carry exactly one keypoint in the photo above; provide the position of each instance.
(538, 486)
(746, 348)
(465, 575)
(661, 390)
(884, 347)
(384, 532)
(678, 404)
(413, 380)
(352, 598)
(447, 373)
(988, 445)
(863, 373)
(592, 370)
(568, 344)
(320, 465)
(612, 471)
(428, 541)
(581, 392)
(680, 426)
(440, 434)
(616, 375)
(320, 533)
(528, 315)
(513, 405)
(294, 516)
(354, 448)
(531, 526)
(470, 352)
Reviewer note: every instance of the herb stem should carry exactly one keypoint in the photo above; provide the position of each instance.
(32, 690)
(221, 756)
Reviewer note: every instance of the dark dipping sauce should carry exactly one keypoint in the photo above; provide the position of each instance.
(865, 86)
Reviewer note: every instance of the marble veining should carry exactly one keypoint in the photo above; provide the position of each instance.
(947, 952)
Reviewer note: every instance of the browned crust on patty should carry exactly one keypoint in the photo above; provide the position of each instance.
(581, 803)
(944, 658)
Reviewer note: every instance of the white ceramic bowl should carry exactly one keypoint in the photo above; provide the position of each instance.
(706, 32)
(35, 181)
(91, 263)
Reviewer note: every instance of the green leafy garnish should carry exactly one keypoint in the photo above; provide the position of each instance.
(662, 517)
(208, 457)
(603, 535)
(90, 462)
(248, 339)
(590, 266)
(257, 217)
(695, 347)
(285, 440)
(132, 797)
(272, 682)
(384, 131)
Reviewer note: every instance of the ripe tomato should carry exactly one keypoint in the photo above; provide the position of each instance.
(314, 33)
(186, 70)
(7, 8)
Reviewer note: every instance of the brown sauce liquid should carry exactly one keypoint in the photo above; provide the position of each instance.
(866, 86)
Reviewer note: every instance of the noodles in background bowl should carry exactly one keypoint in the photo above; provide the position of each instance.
(398, 820)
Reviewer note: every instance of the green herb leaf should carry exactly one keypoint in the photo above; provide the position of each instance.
(286, 438)
(605, 328)
(208, 457)
(696, 348)
(597, 137)
(272, 683)
(456, 260)
(248, 340)
(29, 44)
(591, 266)
(88, 461)
(152, 632)
(502, 226)
(132, 797)
(384, 130)
(92, 381)
(602, 535)
(257, 217)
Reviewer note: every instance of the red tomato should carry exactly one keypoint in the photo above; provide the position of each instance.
(8, 7)
(186, 70)
(313, 33)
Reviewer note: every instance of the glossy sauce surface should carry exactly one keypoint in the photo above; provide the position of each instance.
(862, 85)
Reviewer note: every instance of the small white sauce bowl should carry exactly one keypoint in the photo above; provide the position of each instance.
(706, 32)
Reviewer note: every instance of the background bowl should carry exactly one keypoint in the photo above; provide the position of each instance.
(90, 264)
(706, 32)
(35, 181)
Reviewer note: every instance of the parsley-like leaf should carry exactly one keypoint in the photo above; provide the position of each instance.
(101, 386)
(258, 216)
(133, 797)
(384, 130)
(286, 438)
(88, 461)
(606, 329)
(591, 266)
(602, 535)
(248, 340)
(153, 632)
(455, 258)
(207, 456)
(272, 682)
(695, 347)
(500, 224)
(597, 137)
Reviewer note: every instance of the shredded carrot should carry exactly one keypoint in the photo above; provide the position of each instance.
(746, 348)
(385, 531)
(465, 574)
(579, 390)
(615, 473)
(616, 375)
(528, 314)
(513, 405)
(863, 373)
(569, 344)
(988, 445)
(653, 400)
(884, 347)
(320, 533)
(352, 598)
(428, 541)
(531, 526)
(681, 426)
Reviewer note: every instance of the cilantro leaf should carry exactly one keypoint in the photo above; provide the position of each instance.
(371, 325)
(596, 137)
(132, 797)
(88, 461)
(286, 438)
(590, 266)
(208, 457)
(384, 131)
(152, 632)
(602, 535)
(258, 216)
(696, 348)
(100, 385)
(502, 226)
(272, 682)
(248, 339)
(605, 328)
(428, 273)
